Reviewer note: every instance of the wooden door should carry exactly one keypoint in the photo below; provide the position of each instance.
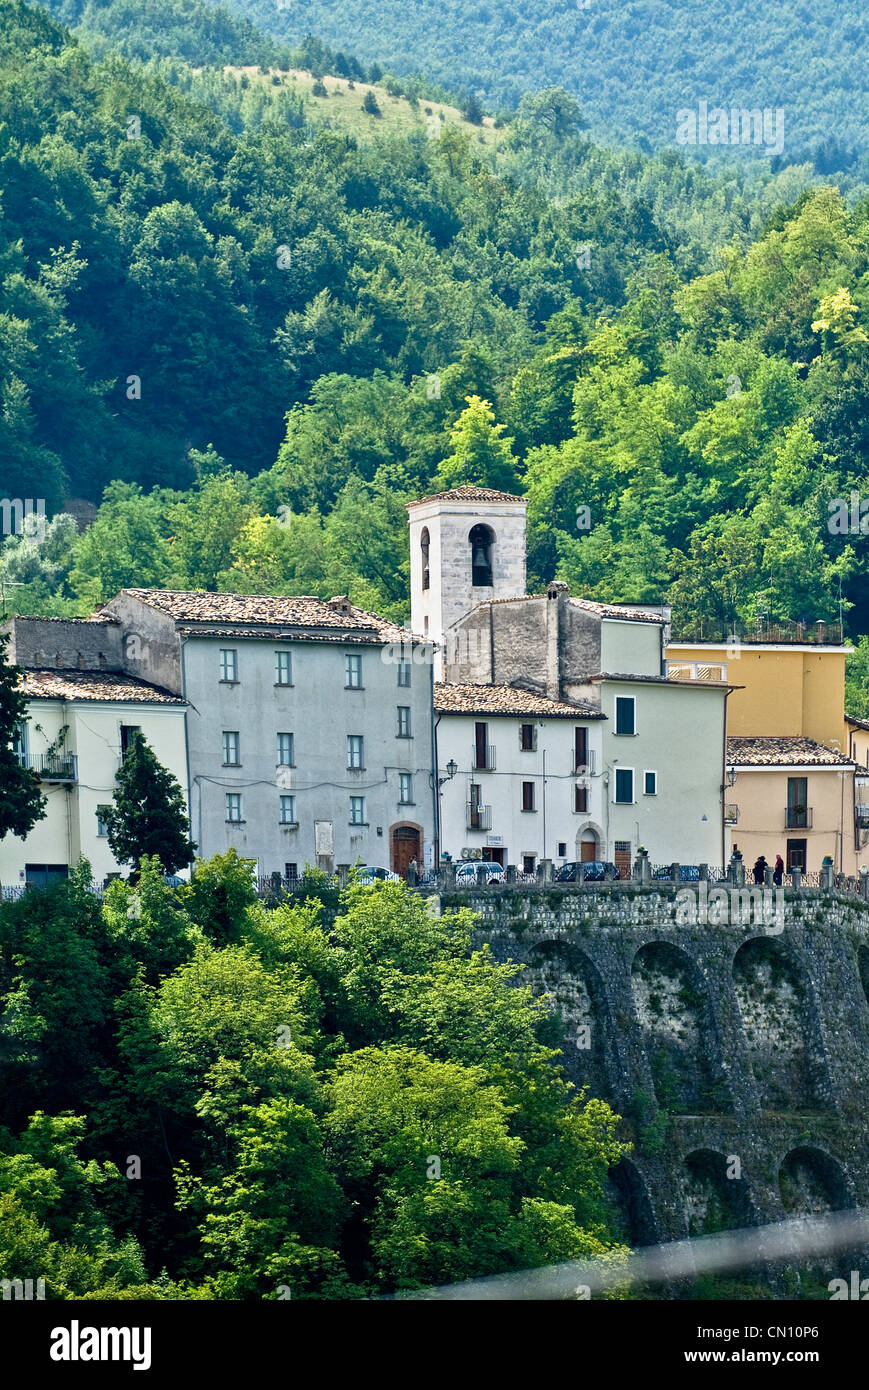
(405, 846)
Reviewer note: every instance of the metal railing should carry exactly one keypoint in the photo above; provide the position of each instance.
(817, 633)
(798, 817)
(586, 766)
(483, 759)
(696, 671)
(478, 817)
(51, 767)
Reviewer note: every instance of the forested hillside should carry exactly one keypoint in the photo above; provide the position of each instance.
(631, 63)
(259, 335)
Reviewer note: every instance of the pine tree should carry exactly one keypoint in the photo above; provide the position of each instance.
(21, 802)
(148, 816)
(370, 103)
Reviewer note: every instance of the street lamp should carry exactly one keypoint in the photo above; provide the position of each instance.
(452, 769)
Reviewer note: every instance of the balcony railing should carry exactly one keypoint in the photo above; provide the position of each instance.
(818, 633)
(695, 671)
(861, 813)
(478, 817)
(583, 764)
(483, 759)
(798, 818)
(56, 767)
(731, 814)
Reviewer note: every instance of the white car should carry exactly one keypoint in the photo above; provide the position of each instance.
(365, 873)
(467, 872)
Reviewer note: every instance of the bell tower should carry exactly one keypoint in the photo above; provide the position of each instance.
(466, 546)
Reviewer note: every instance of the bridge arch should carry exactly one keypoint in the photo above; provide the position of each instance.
(780, 1027)
(679, 1032)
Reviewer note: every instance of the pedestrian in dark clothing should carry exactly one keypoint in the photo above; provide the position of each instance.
(760, 865)
(778, 871)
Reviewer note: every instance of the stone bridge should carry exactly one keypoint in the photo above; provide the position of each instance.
(737, 1053)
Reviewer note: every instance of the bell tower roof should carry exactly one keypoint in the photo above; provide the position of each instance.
(468, 493)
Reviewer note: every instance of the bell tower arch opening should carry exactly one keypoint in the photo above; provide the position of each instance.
(482, 542)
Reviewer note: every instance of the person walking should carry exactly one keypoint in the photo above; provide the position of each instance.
(760, 865)
(778, 871)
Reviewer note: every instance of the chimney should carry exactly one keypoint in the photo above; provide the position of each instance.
(341, 604)
(556, 597)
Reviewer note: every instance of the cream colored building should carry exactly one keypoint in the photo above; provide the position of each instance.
(795, 798)
(79, 725)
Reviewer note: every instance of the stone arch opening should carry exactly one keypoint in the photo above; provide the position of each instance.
(589, 838)
(715, 1193)
(578, 1001)
(425, 550)
(812, 1183)
(482, 543)
(636, 1215)
(784, 1043)
(679, 1032)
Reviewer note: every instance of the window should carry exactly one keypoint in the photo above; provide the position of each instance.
(291, 870)
(102, 822)
(228, 664)
(798, 798)
(424, 546)
(355, 750)
(625, 714)
(286, 751)
(528, 863)
(527, 739)
(233, 807)
(650, 784)
(405, 788)
(580, 747)
(357, 810)
(580, 799)
(404, 673)
(562, 849)
(353, 671)
(625, 785)
(527, 796)
(231, 757)
(796, 855)
(20, 740)
(288, 810)
(482, 750)
(481, 539)
(128, 737)
(283, 668)
(403, 721)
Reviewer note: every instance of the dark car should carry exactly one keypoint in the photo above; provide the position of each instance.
(688, 873)
(593, 871)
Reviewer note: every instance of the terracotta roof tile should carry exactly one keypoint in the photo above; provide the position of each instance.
(93, 685)
(508, 700)
(783, 752)
(467, 493)
(265, 610)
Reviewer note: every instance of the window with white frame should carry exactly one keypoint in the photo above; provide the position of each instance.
(285, 750)
(625, 785)
(357, 810)
(404, 673)
(626, 714)
(228, 664)
(233, 807)
(403, 721)
(231, 748)
(283, 668)
(405, 788)
(353, 671)
(288, 810)
(102, 820)
(355, 751)
(650, 784)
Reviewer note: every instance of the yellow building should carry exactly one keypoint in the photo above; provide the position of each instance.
(794, 762)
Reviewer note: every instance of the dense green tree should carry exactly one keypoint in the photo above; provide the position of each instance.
(148, 815)
(21, 801)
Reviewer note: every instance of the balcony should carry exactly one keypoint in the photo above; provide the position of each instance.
(731, 815)
(861, 814)
(583, 765)
(798, 818)
(51, 767)
(478, 817)
(695, 671)
(483, 759)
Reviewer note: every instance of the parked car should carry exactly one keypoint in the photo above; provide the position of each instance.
(365, 873)
(593, 871)
(467, 872)
(688, 873)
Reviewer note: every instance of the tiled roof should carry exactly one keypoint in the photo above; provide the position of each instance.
(783, 752)
(263, 610)
(618, 610)
(507, 700)
(97, 617)
(93, 685)
(857, 723)
(467, 493)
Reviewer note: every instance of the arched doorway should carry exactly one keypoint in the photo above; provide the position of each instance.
(405, 844)
(588, 845)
